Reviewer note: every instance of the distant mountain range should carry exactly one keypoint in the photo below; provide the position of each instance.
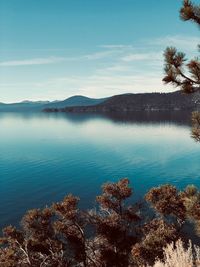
(23, 106)
(41, 105)
(176, 101)
(77, 100)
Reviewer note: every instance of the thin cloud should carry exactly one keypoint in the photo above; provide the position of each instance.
(115, 46)
(142, 56)
(34, 61)
(115, 68)
(95, 85)
(120, 69)
(101, 54)
(181, 42)
(53, 60)
(100, 85)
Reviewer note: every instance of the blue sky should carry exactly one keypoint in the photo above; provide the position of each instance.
(52, 49)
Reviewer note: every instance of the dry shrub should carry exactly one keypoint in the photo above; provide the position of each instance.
(176, 255)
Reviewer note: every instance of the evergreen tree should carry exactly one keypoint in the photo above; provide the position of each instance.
(182, 73)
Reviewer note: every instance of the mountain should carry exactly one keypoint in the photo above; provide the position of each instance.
(118, 103)
(34, 102)
(141, 102)
(76, 100)
(26, 106)
(23, 106)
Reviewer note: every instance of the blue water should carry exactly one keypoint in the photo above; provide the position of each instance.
(43, 157)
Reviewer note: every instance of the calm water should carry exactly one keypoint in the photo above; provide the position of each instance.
(45, 156)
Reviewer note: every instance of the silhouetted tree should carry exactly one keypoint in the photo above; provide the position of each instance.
(175, 64)
(116, 223)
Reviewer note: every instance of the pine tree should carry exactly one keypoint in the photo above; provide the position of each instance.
(182, 73)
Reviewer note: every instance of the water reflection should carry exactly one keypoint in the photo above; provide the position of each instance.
(44, 156)
(176, 117)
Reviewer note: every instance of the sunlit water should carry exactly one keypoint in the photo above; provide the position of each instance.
(43, 157)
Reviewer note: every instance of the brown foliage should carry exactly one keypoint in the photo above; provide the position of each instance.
(190, 11)
(116, 223)
(174, 69)
(113, 234)
(62, 235)
(167, 201)
(196, 126)
(157, 234)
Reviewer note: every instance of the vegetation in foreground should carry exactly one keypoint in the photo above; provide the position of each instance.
(113, 234)
(177, 255)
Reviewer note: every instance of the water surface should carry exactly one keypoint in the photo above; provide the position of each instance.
(43, 157)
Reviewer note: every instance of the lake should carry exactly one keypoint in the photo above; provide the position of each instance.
(43, 157)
